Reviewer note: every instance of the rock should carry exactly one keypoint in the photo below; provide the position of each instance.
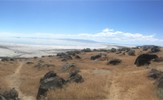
(41, 65)
(50, 55)
(49, 81)
(77, 57)
(48, 75)
(144, 59)
(75, 77)
(158, 59)
(155, 49)
(145, 48)
(69, 68)
(2, 97)
(9, 95)
(7, 59)
(114, 62)
(113, 50)
(96, 57)
(125, 49)
(155, 74)
(131, 52)
(100, 57)
(35, 57)
(86, 50)
(160, 88)
(64, 56)
(73, 53)
(29, 63)
(158, 76)
(118, 52)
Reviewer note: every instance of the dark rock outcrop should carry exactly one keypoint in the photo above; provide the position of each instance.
(158, 59)
(131, 52)
(100, 57)
(155, 74)
(96, 57)
(75, 77)
(158, 76)
(155, 49)
(64, 56)
(86, 50)
(73, 53)
(42, 65)
(7, 59)
(160, 87)
(52, 81)
(113, 50)
(49, 81)
(9, 95)
(144, 59)
(77, 57)
(29, 62)
(114, 62)
(69, 68)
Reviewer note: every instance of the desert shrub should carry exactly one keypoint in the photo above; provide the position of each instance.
(86, 50)
(113, 50)
(131, 52)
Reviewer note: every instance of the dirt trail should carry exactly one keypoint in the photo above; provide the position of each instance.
(115, 88)
(14, 82)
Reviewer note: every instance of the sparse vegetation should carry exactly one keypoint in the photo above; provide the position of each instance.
(101, 81)
(113, 50)
(131, 52)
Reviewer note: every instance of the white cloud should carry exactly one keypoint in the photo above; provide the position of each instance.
(106, 35)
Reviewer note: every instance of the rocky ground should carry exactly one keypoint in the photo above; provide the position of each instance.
(86, 74)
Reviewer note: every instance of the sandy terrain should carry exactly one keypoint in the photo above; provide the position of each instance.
(102, 82)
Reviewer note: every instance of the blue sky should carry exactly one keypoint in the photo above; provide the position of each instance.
(100, 20)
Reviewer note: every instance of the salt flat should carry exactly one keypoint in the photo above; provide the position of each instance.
(24, 50)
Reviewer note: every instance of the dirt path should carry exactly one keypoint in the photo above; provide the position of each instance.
(114, 92)
(129, 85)
(14, 82)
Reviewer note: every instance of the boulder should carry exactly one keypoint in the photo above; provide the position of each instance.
(144, 59)
(73, 53)
(69, 68)
(125, 49)
(64, 56)
(160, 88)
(75, 77)
(9, 95)
(96, 57)
(158, 59)
(7, 59)
(113, 50)
(29, 62)
(41, 65)
(86, 50)
(114, 62)
(131, 52)
(100, 57)
(155, 74)
(158, 76)
(77, 57)
(155, 49)
(49, 81)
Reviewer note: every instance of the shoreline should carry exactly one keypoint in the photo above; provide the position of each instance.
(28, 51)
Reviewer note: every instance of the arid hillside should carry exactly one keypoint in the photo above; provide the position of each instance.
(102, 80)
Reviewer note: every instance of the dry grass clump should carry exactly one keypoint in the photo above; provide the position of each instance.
(94, 87)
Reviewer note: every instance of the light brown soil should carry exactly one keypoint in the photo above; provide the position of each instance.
(121, 82)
